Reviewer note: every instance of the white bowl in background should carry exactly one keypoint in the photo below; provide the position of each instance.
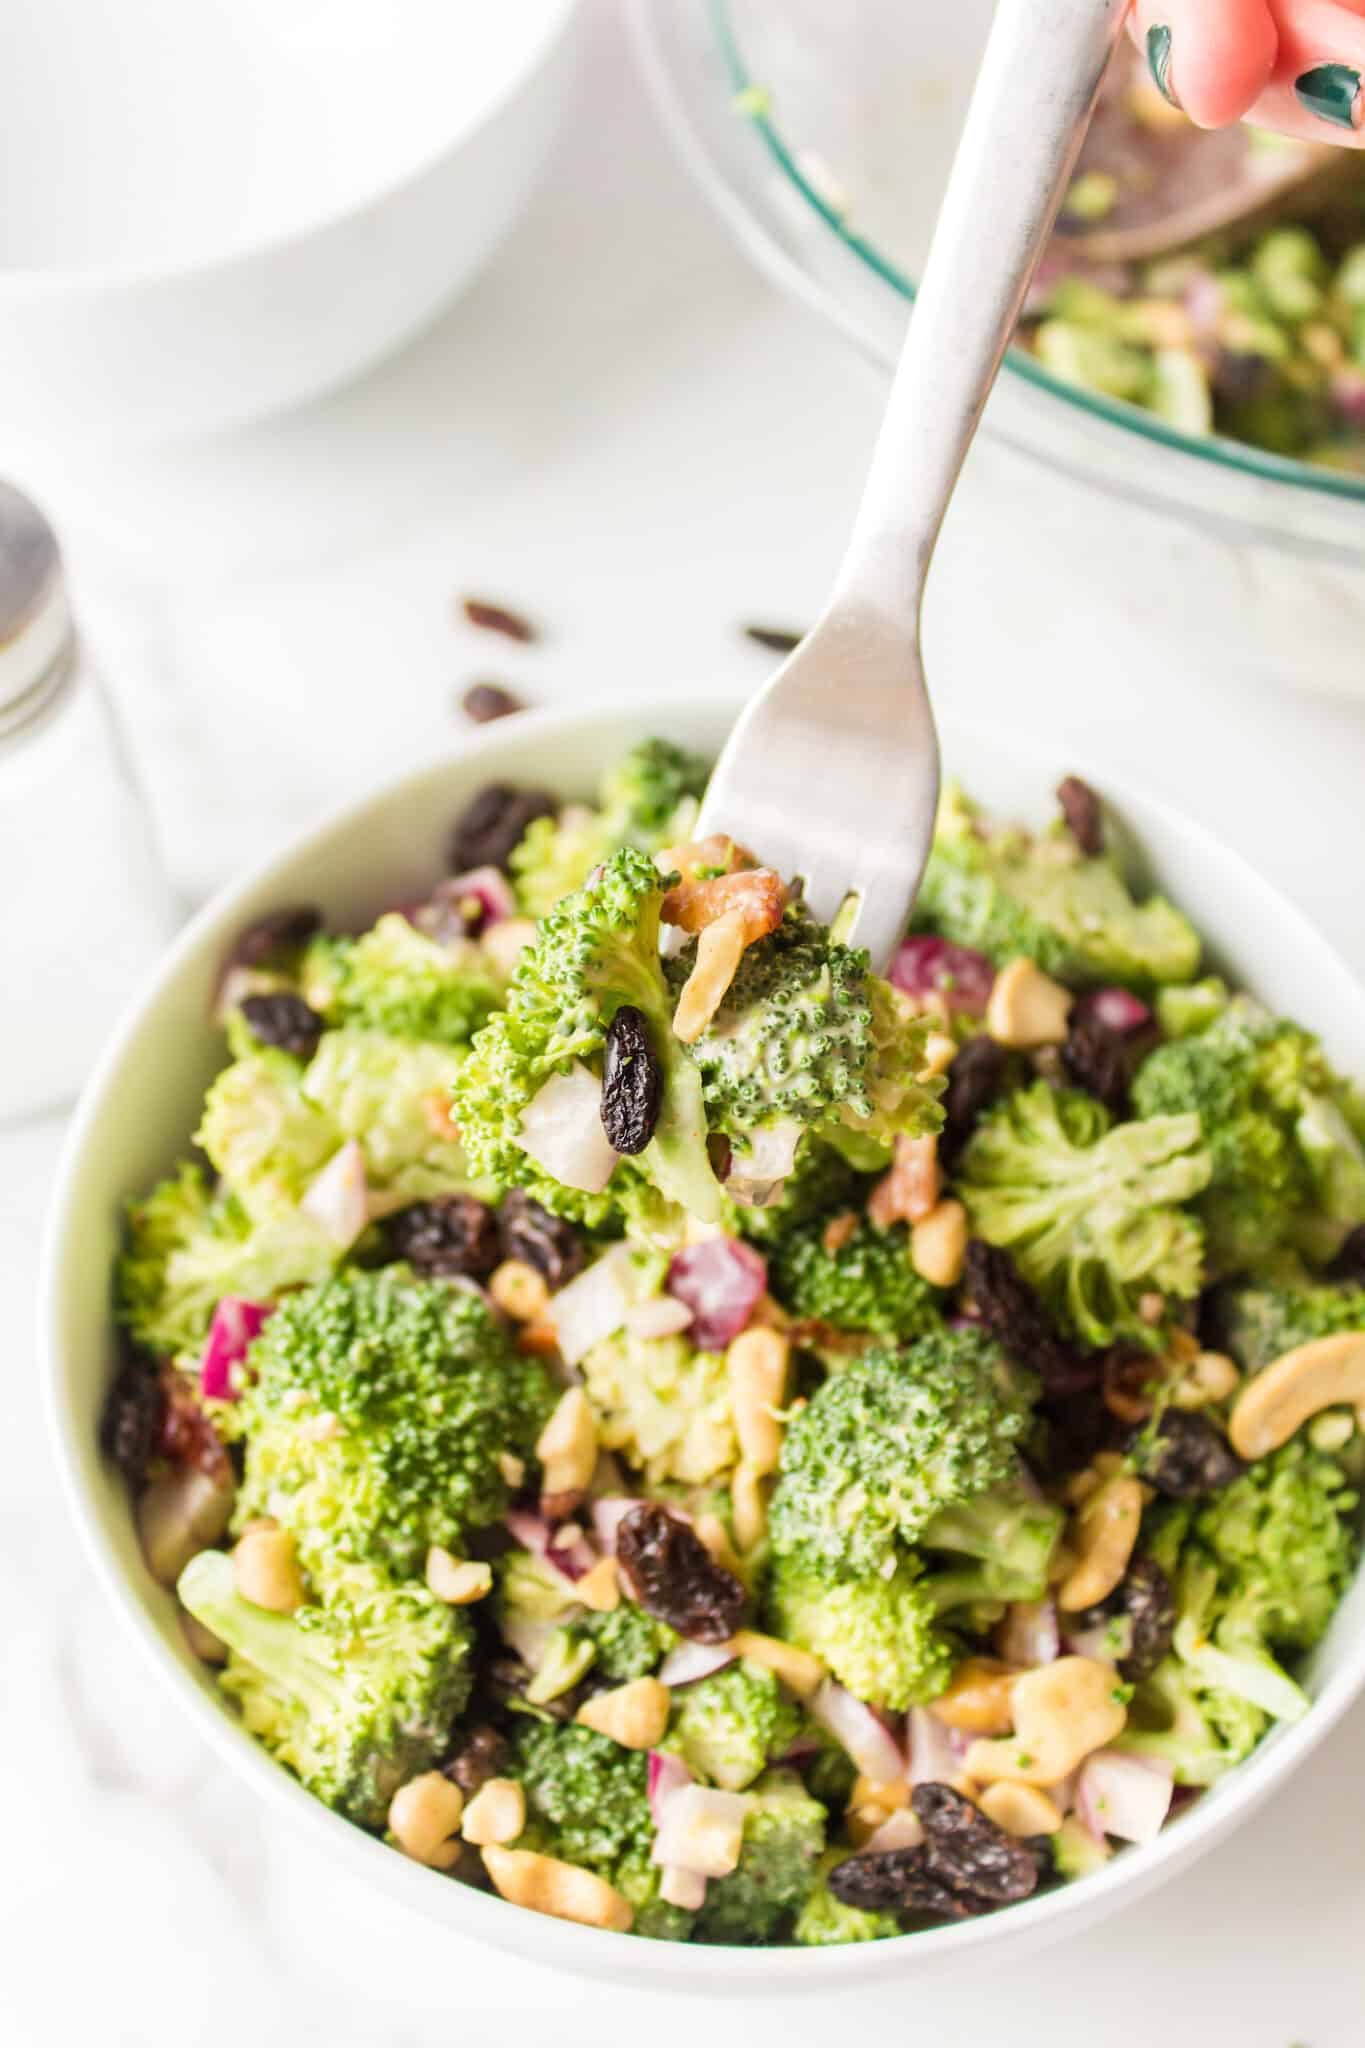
(218, 209)
(134, 1121)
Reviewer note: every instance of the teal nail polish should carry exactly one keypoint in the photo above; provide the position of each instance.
(1159, 61)
(1330, 91)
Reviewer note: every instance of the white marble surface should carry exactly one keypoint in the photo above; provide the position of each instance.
(624, 432)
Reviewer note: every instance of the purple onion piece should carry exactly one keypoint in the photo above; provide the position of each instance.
(924, 965)
(721, 1281)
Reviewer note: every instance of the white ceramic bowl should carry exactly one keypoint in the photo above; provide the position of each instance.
(140, 1106)
(214, 210)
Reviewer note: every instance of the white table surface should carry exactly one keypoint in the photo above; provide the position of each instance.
(622, 430)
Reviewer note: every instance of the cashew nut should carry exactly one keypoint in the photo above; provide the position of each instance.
(567, 1446)
(1332, 1430)
(1062, 1711)
(457, 1580)
(909, 1189)
(890, 1794)
(1104, 1531)
(600, 1588)
(265, 1570)
(1209, 1377)
(546, 1885)
(749, 1506)
(1020, 1809)
(799, 1671)
(1027, 1008)
(938, 1244)
(979, 1698)
(756, 1364)
(496, 1813)
(719, 950)
(716, 1537)
(519, 1291)
(424, 1815)
(634, 1715)
(1327, 1373)
(939, 1052)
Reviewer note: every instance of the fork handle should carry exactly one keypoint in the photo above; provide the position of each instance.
(1035, 93)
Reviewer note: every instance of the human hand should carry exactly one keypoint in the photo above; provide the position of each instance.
(1292, 65)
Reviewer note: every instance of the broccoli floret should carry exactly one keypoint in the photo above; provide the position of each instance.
(262, 1135)
(597, 951)
(807, 1037)
(826, 1922)
(587, 1802)
(663, 1405)
(184, 1248)
(728, 1727)
(390, 1094)
(820, 1182)
(1087, 1207)
(1182, 1012)
(627, 1642)
(784, 1837)
(880, 1636)
(1260, 1322)
(529, 1589)
(378, 1411)
(1201, 1732)
(1007, 892)
(890, 1442)
(1287, 1167)
(647, 801)
(866, 1283)
(395, 979)
(355, 1696)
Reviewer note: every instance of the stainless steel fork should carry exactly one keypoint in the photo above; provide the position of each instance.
(832, 772)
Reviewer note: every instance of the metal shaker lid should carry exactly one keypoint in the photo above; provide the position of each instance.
(35, 624)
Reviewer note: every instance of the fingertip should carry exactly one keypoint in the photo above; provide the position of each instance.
(1212, 57)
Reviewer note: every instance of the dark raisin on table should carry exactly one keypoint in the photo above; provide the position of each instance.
(492, 824)
(498, 618)
(632, 1082)
(448, 1236)
(134, 1412)
(483, 702)
(674, 1576)
(276, 937)
(1185, 1456)
(550, 1244)
(974, 1078)
(1083, 814)
(284, 1020)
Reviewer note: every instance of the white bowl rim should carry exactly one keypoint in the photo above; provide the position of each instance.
(484, 1916)
(37, 281)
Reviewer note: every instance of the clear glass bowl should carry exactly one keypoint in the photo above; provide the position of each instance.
(823, 135)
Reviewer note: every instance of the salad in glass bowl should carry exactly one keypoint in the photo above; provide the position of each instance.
(661, 1423)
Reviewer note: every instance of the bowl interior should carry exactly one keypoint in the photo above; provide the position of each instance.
(155, 133)
(139, 1107)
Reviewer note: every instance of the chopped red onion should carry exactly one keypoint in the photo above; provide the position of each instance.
(859, 1731)
(489, 888)
(700, 1830)
(924, 966)
(338, 1199)
(561, 1129)
(608, 1512)
(1028, 1635)
(754, 1177)
(236, 1325)
(1203, 304)
(1097, 1643)
(691, 1661)
(178, 1515)
(593, 1306)
(1117, 1009)
(934, 1756)
(665, 1316)
(667, 1774)
(900, 1830)
(1348, 394)
(571, 1559)
(679, 1887)
(1124, 1796)
(721, 1281)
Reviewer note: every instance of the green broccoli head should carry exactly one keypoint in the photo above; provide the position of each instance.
(648, 801)
(826, 1922)
(1284, 1542)
(1089, 1209)
(1287, 1166)
(627, 1642)
(664, 1405)
(1200, 1731)
(880, 1636)
(807, 1037)
(587, 1802)
(356, 1695)
(185, 1247)
(384, 1092)
(1008, 892)
(1259, 1322)
(784, 1838)
(891, 1441)
(395, 979)
(262, 1135)
(865, 1283)
(597, 951)
(379, 1409)
(728, 1727)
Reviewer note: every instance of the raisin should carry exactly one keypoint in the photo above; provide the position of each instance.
(1145, 1596)
(480, 1756)
(448, 1235)
(674, 1576)
(1102, 1060)
(186, 1436)
(546, 1242)
(483, 702)
(130, 1427)
(285, 1021)
(1349, 1263)
(275, 937)
(1185, 1456)
(1013, 1315)
(632, 1083)
(498, 618)
(964, 1865)
(897, 1881)
(974, 1077)
(777, 639)
(1081, 809)
(492, 823)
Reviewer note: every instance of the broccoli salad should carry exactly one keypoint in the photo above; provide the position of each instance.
(658, 1422)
